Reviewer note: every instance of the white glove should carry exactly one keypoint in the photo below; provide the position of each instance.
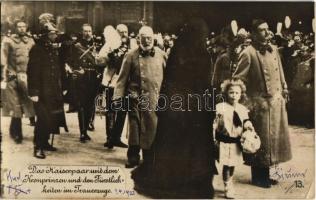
(34, 99)
(248, 126)
(3, 85)
(68, 68)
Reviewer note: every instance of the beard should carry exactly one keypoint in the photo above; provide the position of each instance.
(260, 39)
(147, 48)
(124, 39)
(87, 37)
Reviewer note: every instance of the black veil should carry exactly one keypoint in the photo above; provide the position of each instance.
(183, 163)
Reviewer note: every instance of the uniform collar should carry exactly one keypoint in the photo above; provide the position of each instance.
(86, 43)
(263, 48)
(150, 52)
(18, 39)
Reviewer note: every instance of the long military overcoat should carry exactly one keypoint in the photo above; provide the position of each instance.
(14, 58)
(265, 82)
(140, 79)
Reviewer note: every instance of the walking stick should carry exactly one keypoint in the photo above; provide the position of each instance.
(52, 141)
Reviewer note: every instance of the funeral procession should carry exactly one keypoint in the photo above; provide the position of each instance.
(166, 99)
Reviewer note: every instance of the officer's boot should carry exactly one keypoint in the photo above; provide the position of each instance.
(132, 156)
(84, 136)
(39, 153)
(16, 130)
(260, 177)
(91, 121)
(82, 125)
(32, 121)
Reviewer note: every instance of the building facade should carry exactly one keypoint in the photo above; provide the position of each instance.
(71, 15)
(164, 16)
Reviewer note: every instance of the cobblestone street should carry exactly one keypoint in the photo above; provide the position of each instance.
(296, 177)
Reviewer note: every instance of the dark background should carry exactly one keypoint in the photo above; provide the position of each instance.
(169, 15)
(163, 16)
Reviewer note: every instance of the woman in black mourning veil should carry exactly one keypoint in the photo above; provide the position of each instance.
(183, 164)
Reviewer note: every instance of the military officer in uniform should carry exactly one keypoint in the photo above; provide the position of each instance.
(86, 78)
(260, 67)
(115, 119)
(140, 78)
(14, 58)
(46, 75)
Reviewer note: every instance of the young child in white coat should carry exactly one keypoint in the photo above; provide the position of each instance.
(231, 120)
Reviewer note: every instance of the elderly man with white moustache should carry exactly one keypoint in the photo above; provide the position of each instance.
(140, 80)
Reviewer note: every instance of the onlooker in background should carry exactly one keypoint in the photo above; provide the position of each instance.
(223, 63)
(14, 58)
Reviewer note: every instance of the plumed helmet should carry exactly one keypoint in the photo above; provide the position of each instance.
(45, 17)
(250, 141)
(46, 21)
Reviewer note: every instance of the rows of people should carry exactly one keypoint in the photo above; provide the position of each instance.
(78, 68)
(39, 77)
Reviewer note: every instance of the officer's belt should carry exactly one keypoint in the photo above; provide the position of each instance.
(89, 69)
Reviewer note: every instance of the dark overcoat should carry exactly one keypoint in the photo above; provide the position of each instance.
(222, 69)
(46, 74)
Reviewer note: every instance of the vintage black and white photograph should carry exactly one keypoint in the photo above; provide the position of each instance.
(157, 100)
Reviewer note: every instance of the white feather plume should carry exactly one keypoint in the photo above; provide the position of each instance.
(287, 22)
(234, 27)
(112, 41)
(279, 28)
